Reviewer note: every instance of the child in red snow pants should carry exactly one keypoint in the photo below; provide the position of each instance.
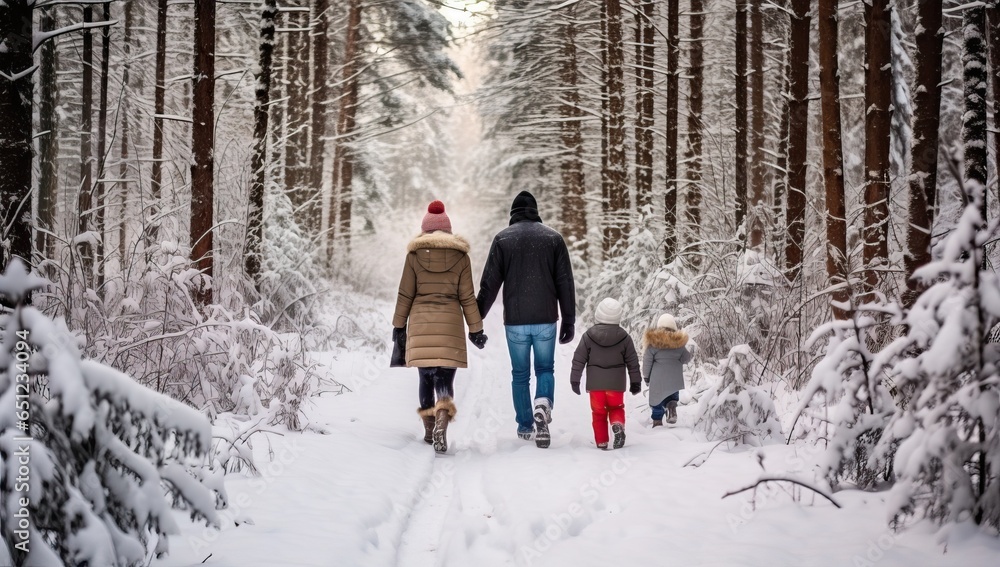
(606, 405)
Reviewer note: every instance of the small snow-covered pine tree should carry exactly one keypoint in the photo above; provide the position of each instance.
(109, 458)
(947, 426)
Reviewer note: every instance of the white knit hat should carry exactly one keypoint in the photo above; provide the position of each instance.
(609, 312)
(666, 321)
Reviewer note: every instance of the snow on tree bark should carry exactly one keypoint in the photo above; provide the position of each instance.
(321, 16)
(305, 199)
(85, 198)
(618, 222)
(344, 151)
(644, 52)
(48, 142)
(878, 118)
(574, 210)
(833, 156)
(102, 142)
(741, 115)
(798, 133)
(924, 165)
(152, 228)
(258, 162)
(670, 191)
(203, 146)
(975, 80)
(692, 153)
(757, 155)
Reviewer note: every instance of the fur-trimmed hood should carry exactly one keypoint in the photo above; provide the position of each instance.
(439, 239)
(665, 338)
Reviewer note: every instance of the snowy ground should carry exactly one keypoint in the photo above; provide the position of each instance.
(369, 492)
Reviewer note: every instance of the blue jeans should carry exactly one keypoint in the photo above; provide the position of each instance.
(661, 408)
(521, 340)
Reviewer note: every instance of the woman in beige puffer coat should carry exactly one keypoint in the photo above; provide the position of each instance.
(436, 300)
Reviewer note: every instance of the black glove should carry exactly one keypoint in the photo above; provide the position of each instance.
(576, 387)
(399, 337)
(478, 339)
(565, 333)
(636, 388)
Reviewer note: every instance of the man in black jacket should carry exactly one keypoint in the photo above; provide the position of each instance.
(531, 262)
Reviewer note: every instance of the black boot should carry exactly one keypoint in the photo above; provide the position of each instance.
(671, 412)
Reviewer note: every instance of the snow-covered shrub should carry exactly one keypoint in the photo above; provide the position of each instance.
(947, 424)
(109, 458)
(738, 406)
(855, 399)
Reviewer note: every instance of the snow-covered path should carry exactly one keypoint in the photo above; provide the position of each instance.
(371, 493)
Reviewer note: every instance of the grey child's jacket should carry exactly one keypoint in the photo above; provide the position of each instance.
(607, 352)
(663, 363)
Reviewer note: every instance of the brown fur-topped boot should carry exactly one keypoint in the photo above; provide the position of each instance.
(444, 413)
(427, 416)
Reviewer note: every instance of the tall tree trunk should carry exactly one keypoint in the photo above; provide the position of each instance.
(159, 94)
(741, 112)
(258, 162)
(618, 226)
(975, 77)
(994, 21)
(670, 194)
(878, 116)
(102, 142)
(692, 154)
(85, 200)
(305, 199)
(923, 174)
(48, 151)
(123, 184)
(798, 132)
(644, 108)
(346, 125)
(317, 131)
(757, 156)
(833, 155)
(15, 130)
(605, 121)
(203, 144)
(781, 166)
(574, 210)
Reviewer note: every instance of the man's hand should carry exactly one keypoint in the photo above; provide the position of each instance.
(576, 387)
(566, 333)
(636, 388)
(478, 339)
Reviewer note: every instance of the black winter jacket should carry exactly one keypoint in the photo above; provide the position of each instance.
(531, 262)
(607, 351)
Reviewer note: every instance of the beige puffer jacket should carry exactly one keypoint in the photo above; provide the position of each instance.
(435, 292)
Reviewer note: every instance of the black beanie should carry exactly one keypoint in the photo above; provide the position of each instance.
(523, 201)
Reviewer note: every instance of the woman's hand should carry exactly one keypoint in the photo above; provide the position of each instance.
(399, 337)
(478, 339)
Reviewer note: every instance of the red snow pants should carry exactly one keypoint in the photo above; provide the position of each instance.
(606, 405)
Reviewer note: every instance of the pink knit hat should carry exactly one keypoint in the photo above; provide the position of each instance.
(435, 219)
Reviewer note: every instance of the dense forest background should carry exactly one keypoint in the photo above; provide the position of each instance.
(812, 187)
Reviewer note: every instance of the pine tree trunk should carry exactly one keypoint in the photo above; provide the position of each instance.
(258, 162)
(670, 194)
(346, 125)
(741, 113)
(644, 108)
(798, 131)
(692, 154)
(15, 130)
(833, 155)
(320, 98)
(975, 79)
(123, 184)
(85, 201)
(305, 199)
(923, 171)
(152, 230)
(994, 22)
(48, 151)
(757, 157)
(574, 210)
(203, 144)
(605, 162)
(618, 227)
(781, 166)
(102, 142)
(878, 87)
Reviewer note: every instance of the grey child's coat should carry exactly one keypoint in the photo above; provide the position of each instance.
(663, 363)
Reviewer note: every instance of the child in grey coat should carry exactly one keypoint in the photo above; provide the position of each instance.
(663, 367)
